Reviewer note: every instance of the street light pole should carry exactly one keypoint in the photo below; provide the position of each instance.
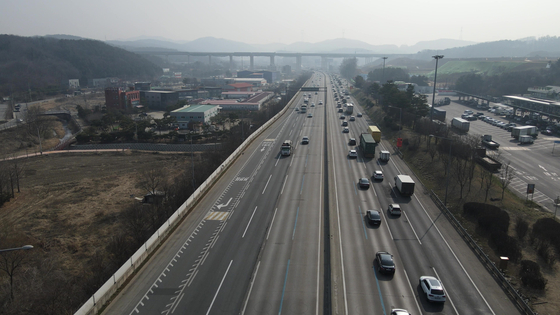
(436, 57)
(25, 247)
(448, 166)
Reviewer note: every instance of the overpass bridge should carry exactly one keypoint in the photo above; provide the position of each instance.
(369, 57)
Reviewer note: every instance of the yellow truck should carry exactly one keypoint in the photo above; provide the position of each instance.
(375, 133)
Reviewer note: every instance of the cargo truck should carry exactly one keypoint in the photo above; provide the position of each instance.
(405, 184)
(526, 139)
(460, 124)
(367, 145)
(286, 149)
(516, 132)
(384, 156)
(489, 143)
(349, 109)
(375, 133)
(486, 161)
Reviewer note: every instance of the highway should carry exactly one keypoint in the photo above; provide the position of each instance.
(256, 244)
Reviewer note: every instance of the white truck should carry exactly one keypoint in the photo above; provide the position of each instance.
(405, 184)
(526, 139)
(384, 156)
(460, 124)
(517, 132)
(286, 149)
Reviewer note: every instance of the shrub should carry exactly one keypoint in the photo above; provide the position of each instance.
(547, 229)
(506, 245)
(521, 228)
(546, 252)
(531, 275)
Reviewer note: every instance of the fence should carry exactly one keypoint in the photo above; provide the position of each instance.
(107, 290)
(510, 291)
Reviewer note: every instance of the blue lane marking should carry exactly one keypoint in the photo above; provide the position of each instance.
(306, 158)
(284, 288)
(295, 223)
(363, 223)
(379, 289)
(302, 180)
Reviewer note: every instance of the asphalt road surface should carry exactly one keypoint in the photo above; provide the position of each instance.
(256, 243)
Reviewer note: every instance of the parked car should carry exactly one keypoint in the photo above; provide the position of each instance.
(433, 289)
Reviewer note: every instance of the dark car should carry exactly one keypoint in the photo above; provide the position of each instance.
(352, 141)
(547, 132)
(385, 262)
(373, 217)
(364, 183)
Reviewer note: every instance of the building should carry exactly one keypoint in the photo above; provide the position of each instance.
(194, 114)
(159, 99)
(253, 103)
(269, 76)
(121, 99)
(239, 87)
(74, 83)
(142, 86)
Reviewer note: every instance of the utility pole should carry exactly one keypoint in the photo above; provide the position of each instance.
(436, 57)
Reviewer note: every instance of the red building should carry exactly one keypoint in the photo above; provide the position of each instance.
(121, 99)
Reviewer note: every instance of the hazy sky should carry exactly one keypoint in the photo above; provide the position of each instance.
(401, 22)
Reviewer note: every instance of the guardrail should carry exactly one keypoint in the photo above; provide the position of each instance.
(510, 291)
(119, 278)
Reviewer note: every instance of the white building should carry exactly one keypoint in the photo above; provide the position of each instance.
(195, 114)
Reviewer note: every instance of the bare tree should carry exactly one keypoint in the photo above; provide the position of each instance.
(461, 172)
(153, 179)
(487, 177)
(507, 173)
(11, 262)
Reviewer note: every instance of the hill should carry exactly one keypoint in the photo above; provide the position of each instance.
(39, 62)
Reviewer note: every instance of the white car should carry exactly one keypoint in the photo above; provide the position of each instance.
(395, 209)
(399, 311)
(378, 175)
(345, 130)
(433, 289)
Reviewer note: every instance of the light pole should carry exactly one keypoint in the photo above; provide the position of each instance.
(448, 166)
(25, 247)
(436, 57)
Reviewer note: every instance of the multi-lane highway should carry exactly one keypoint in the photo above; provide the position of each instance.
(288, 235)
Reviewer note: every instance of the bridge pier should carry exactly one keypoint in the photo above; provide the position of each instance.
(209, 60)
(298, 63)
(272, 65)
(252, 63)
(324, 63)
(231, 61)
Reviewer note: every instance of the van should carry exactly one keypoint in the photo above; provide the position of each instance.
(385, 156)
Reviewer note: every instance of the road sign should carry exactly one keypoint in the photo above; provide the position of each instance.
(530, 188)
(556, 141)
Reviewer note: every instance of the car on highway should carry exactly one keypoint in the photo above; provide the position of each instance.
(305, 140)
(378, 175)
(352, 118)
(359, 115)
(433, 289)
(312, 104)
(342, 117)
(352, 141)
(399, 311)
(320, 101)
(340, 110)
(373, 217)
(297, 109)
(394, 209)
(344, 123)
(345, 130)
(353, 154)
(385, 262)
(309, 115)
(363, 183)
